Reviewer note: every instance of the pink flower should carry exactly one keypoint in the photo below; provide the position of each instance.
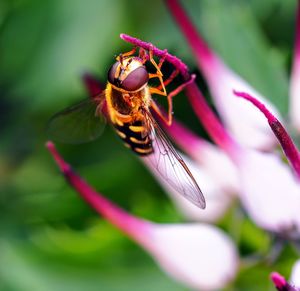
(268, 188)
(193, 254)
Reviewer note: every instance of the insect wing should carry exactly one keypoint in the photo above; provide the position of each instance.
(79, 123)
(170, 165)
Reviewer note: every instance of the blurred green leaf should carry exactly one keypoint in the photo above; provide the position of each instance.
(21, 271)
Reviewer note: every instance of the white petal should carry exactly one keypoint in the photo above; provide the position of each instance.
(199, 255)
(244, 121)
(222, 170)
(270, 192)
(294, 108)
(295, 277)
(218, 197)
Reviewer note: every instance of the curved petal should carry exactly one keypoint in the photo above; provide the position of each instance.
(221, 168)
(245, 123)
(209, 157)
(287, 144)
(270, 193)
(217, 203)
(218, 196)
(295, 277)
(193, 254)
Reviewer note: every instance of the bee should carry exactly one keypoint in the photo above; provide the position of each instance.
(127, 103)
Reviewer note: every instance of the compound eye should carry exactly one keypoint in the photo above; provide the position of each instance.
(112, 73)
(136, 79)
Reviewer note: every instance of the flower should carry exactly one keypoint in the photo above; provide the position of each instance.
(193, 254)
(267, 187)
(243, 162)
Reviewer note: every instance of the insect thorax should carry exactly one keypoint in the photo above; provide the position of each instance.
(126, 105)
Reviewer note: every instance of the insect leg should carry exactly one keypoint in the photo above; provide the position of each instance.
(170, 79)
(121, 56)
(168, 119)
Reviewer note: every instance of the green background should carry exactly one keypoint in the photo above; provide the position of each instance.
(49, 238)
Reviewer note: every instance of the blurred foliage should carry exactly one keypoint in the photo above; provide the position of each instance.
(51, 240)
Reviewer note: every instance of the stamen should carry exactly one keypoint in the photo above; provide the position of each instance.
(210, 121)
(287, 144)
(176, 62)
(198, 45)
(107, 209)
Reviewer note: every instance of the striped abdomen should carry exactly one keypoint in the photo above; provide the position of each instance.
(134, 137)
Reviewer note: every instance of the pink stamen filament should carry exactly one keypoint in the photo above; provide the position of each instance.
(201, 50)
(210, 121)
(176, 62)
(189, 30)
(132, 226)
(278, 280)
(287, 144)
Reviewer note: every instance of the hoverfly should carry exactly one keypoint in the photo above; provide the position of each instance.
(127, 101)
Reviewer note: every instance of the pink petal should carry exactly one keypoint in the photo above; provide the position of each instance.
(193, 254)
(295, 277)
(287, 144)
(247, 126)
(270, 193)
(295, 79)
(281, 284)
(278, 280)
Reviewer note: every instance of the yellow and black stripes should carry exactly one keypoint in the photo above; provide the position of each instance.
(134, 137)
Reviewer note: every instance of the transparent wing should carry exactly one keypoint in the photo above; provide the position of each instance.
(79, 123)
(170, 165)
